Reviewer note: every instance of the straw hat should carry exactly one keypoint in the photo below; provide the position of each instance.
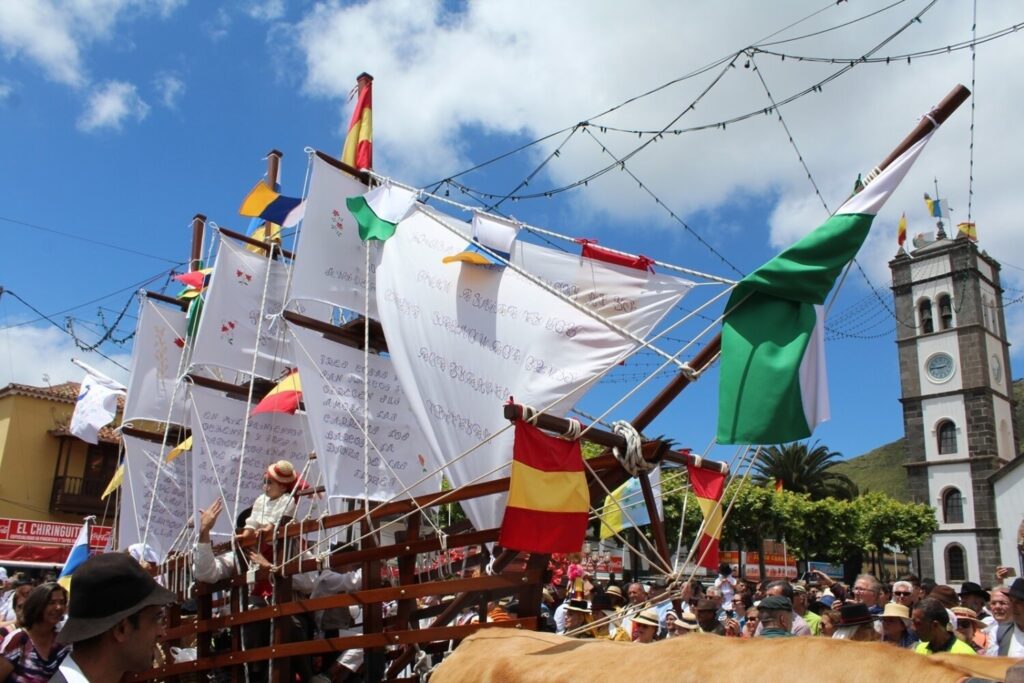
(967, 614)
(649, 617)
(578, 606)
(283, 473)
(896, 611)
(688, 622)
(614, 591)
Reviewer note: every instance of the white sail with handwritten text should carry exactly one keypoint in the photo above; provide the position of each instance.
(400, 463)
(464, 338)
(156, 496)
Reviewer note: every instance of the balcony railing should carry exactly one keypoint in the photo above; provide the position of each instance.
(78, 495)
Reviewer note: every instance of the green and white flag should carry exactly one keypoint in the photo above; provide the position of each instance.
(772, 384)
(379, 211)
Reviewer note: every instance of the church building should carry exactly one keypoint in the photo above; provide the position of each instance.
(958, 410)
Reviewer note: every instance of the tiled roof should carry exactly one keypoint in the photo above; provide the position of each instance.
(66, 392)
(105, 435)
(62, 393)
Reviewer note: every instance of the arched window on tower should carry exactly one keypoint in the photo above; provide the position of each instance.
(925, 310)
(945, 312)
(946, 435)
(952, 506)
(956, 564)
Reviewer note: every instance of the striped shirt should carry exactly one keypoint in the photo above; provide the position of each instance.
(29, 665)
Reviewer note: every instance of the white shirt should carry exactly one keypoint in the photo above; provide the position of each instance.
(270, 511)
(210, 568)
(727, 585)
(1016, 643)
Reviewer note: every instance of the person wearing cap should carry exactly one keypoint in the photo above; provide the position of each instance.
(930, 622)
(645, 626)
(775, 613)
(856, 623)
(273, 504)
(812, 620)
(895, 619)
(707, 617)
(783, 588)
(115, 619)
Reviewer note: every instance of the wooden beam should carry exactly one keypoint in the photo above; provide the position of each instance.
(156, 296)
(265, 246)
(350, 334)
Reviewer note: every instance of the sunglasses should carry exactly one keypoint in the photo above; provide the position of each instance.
(902, 594)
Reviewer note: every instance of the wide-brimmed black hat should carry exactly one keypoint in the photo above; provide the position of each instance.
(971, 588)
(853, 614)
(106, 589)
(1017, 589)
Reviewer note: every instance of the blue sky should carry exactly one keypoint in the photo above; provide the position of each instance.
(122, 119)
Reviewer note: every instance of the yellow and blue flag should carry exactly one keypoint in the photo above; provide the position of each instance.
(79, 554)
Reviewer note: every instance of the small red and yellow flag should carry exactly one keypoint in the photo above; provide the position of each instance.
(548, 502)
(968, 230)
(358, 150)
(284, 398)
(708, 486)
(901, 230)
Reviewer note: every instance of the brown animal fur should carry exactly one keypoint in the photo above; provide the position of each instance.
(501, 655)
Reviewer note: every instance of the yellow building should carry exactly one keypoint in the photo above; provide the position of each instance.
(46, 474)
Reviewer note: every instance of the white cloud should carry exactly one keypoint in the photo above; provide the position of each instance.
(54, 33)
(217, 28)
(6, 90)
(30, 352)
(110, 104)
(265, 10)
(497, 69)
(170, 88)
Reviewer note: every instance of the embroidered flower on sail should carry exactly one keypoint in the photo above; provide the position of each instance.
(243, 277)
(227, 331)
(337, 222)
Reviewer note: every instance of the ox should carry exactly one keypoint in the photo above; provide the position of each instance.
(500, 655)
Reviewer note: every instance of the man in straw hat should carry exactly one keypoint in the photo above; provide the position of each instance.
(968, 627)
(115, 618)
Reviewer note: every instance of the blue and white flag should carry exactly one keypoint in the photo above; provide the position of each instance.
(79, 554)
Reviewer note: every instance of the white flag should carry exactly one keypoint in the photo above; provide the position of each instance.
(96, 404)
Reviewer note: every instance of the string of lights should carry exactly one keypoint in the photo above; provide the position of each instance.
(656, 135)
(657, 200)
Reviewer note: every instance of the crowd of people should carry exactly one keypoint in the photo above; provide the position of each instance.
(114, 616)
(910, 613)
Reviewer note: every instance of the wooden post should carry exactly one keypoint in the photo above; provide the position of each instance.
(375, 661)
(198, 225)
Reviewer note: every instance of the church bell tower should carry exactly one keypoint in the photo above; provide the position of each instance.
(957, 400)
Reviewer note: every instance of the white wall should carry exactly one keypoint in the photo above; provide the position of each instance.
(933, 411)
(1009, 492)
(939, 544)
(941, 477)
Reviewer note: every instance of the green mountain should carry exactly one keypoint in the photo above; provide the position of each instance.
(882, 469)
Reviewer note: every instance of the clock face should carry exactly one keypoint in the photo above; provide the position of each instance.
(997, 370)
(940, 367)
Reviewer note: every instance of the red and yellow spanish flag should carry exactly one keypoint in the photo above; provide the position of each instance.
(708, 485)
(358, 150)
(548, 501)
(284, 398)
(968, 230)
(901, 230)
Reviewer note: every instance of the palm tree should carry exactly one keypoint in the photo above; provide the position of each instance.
(804, 469)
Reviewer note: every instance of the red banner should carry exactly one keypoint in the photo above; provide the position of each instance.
(33, 532)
